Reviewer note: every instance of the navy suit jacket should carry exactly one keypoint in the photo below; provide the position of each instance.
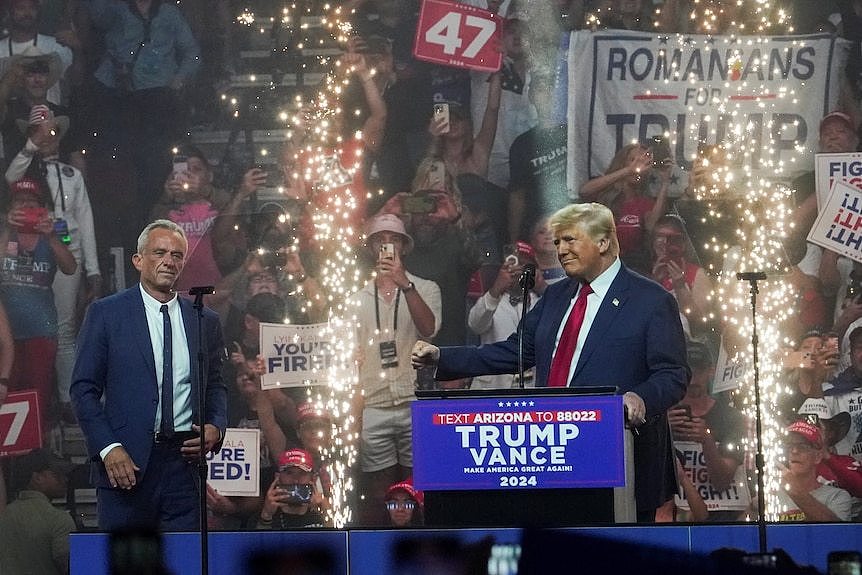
(114, 386)
(636, 343)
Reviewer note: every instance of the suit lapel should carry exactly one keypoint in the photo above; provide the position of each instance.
(611, 305)
(561, 304)
(555, 302)
(141, 329)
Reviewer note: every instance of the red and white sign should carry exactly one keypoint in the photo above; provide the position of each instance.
(458, 35)
(19, 424)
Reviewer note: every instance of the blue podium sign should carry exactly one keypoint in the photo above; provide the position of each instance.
(518, 442)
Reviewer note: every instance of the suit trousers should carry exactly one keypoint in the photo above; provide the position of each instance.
(166, 498)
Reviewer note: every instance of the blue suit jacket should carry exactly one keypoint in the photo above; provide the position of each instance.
(636, 343)
(115, 362)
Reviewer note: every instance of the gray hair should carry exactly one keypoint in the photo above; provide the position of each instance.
(596, 220)
(159, 224)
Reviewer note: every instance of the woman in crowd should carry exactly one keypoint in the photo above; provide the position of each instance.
(453, 139)
(672, 267)
(622, 188)
(31, 253)
(405, 505)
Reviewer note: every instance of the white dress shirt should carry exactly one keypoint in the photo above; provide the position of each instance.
(600, 286)
(180, 356)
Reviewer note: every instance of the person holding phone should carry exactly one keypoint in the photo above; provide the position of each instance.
(31, 254)
(390, 108)
(72, 214)
(707, 428)
(497, 312)
(674, 267)
(623, 189)
(393, 311)
(292, 500)
(812, 362)
(453, 137)
(190, 199)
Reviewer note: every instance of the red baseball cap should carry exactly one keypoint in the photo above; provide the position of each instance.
(809, 431)
(295, 458)
(309, 410)
(839, 117)
(26, 186)
(407, 487)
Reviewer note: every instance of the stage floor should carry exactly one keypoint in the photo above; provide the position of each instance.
(373, 552)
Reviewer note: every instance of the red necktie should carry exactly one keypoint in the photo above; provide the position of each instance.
(560, 365)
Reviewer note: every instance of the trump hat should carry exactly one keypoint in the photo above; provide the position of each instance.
(407, 487)
(809, 431)
(295, 458)
(308, 410)
(26, 186)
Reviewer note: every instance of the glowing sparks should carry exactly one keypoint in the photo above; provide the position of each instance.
(322, 169)
(738, 176)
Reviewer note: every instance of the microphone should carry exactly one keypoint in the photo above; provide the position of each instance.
(201, 290)
(527, 281)
(751, 276)
(528, 277)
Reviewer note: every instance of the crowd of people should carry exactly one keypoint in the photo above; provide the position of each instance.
(458, 174)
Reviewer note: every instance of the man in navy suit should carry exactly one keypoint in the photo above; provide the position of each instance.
(631, 337)
(133, 346)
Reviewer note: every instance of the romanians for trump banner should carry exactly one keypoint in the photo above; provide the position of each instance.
(629, 86)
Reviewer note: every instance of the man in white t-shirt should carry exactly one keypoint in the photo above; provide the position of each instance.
(801, 496)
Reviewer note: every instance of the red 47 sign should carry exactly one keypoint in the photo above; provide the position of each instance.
(19, 423)
(458, 35)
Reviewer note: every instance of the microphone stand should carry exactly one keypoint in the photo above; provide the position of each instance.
(199, 293)
(752, 278)
(527, 281)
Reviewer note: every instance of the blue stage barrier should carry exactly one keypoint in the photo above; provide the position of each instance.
(370, 552)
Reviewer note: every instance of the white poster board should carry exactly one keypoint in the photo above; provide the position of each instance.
(295, 355)
(838, 226)
(235, 469)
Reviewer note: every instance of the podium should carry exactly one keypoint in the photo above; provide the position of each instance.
(544, 457)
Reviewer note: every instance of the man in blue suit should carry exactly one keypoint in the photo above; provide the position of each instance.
(135, 392)
(631, 337)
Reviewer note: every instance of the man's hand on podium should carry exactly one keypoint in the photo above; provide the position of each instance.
(424, 355)
(635, 409)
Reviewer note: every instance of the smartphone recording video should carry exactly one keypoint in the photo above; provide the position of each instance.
(660, 150)
(31, 216)
(180, 167)
(273, 175)
(387, 251)
(687, 410)
(441, 110)
(418, 203)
